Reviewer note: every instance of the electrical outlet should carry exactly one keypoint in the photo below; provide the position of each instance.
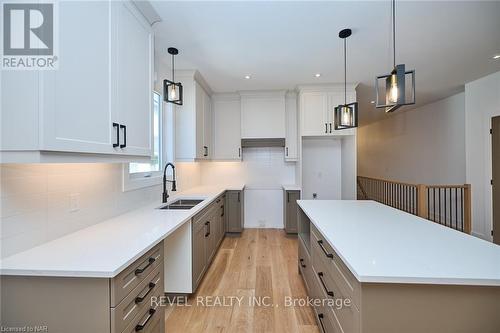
(74, 202)
(315, 195)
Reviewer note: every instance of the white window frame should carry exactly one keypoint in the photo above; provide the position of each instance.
(147, 179)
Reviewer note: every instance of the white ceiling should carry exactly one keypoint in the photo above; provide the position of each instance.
(283, 44)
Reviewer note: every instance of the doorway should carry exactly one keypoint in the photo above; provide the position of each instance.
(495, 158)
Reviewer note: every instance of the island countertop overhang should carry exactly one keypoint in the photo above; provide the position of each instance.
(380, 244)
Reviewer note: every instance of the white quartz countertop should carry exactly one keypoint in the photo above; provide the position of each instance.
(105, 249)
(382, 244)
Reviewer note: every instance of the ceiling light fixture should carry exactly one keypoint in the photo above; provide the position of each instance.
(317, 74)
(248, 77)
(346, 115)
(395, 82)
(172, 91)
(496, 56)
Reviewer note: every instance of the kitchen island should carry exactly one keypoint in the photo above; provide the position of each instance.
(378, 269)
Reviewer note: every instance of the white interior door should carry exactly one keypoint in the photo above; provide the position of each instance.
(133, 79)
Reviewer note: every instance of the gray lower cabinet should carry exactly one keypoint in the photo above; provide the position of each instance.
(207, 234)
(234, 211)
(290, 210)
(123, 304)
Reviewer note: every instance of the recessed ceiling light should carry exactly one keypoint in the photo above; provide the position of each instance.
(317, 74)
(496, 56)
(248, 77)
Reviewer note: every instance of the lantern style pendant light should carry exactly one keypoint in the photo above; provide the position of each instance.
(172, 91)
(346, 115)
(395, 82)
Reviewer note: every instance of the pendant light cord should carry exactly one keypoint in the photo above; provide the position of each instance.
(345, 72)
(394, 32)
(173, 79)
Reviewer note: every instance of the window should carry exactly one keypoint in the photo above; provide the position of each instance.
(147, 169)
(139, 175)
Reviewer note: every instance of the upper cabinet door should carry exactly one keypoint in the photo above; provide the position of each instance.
(201, 149)
(77, 115)
(227, 128)
(314, 114)
(132, 79)
(291, 139)
(207, 125)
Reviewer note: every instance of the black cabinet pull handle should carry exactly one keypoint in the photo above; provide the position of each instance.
(286, 151)
(140, 327)
(124, 136)
(239, 152)
(287, 196)
(302, 263)
(117, 143)
(207, 224)
(326, 127)
(139, 299)
(222, 214)
(206, 151)
(320, 317)
(141, 270)
(330, 127)
(238, 196)
(329, 255)
(329, 293)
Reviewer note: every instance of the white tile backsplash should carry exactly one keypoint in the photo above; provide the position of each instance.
(35, 202)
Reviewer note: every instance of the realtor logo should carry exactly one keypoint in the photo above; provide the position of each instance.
(29, 36)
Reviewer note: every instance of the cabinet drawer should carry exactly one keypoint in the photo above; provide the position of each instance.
(326, 320)
(137, 300)
(149, 320)
(347, 316)
(326, 260)
(305, 265)
(131, 277)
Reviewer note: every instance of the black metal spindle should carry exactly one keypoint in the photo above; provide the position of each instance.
(456, 209)
(462, 209)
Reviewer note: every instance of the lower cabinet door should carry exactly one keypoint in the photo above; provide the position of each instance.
(234, 211)
(199, 252)
(291, 198)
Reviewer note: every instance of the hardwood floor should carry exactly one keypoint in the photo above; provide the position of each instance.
(261, 265)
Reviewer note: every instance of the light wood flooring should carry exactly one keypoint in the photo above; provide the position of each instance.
(261, 263)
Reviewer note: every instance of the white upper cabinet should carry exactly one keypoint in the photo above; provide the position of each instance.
(76, 103)
(227, 127)
(317, 106)
(133, 80)
(193, 119)
(291, 138)
(262, 114)
(314, 113)
(104, 76)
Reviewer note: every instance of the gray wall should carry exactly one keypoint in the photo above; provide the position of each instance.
(424, 145)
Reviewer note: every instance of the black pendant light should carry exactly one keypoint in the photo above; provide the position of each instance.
(172, 91)
(346, 115)
(395, 82)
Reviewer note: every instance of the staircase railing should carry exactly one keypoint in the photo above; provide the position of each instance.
(449, 205)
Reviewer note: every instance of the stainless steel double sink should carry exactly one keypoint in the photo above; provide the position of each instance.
(182, 204)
